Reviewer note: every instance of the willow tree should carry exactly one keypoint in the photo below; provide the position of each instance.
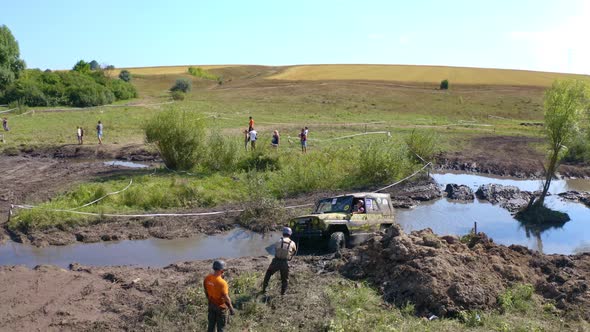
(564, 103)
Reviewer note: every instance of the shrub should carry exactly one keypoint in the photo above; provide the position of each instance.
(202, 73)
(382, 162)
(26, 91)
(518, 298)
(579, 149)
(179, 137)
(259, 160)
(125, 75)
(223, 153)
(94, 65)
(423, 144)
(122, 90)
(182, 84)
(177, 95)
(89, 95)
(444, 84)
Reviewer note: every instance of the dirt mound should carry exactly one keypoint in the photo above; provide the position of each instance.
(410, 193)
(576, 196)
(459, 192)
(443, 276)
(509, 197)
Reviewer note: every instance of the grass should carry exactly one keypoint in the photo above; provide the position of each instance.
(332, 303)
(431, 75)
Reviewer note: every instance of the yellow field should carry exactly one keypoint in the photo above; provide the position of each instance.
(422, 74)
(164, 70)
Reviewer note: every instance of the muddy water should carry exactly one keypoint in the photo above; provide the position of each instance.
(449, 217)
(150, 252)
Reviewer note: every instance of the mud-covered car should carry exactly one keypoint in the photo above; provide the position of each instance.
(339, 221)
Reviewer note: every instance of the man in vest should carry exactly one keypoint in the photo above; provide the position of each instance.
(217, 294)
(284, 250)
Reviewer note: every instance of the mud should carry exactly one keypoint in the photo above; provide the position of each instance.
(48, 298)
(509, 197)
(513, 156)
(576, 196)
(410, 193)
(459, 192)
(443, 276)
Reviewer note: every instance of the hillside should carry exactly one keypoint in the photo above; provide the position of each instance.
(422, 74)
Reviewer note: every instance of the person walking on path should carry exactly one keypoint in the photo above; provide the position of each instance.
(99, 128)
(246, 139)
(5, 124)
(275, 139)
(251, 124)
(253, 136)
(285, 248)
(303, 139)
(217, 293)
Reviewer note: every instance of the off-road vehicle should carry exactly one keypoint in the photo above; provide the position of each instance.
(338, 221)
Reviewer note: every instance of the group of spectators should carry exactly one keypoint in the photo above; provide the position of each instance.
(251, 135)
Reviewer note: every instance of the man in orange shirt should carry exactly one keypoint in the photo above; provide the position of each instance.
(217, 294)
(251, 124)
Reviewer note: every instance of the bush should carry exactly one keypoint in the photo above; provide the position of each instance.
(89, 95)
(27, 92)
(122, 90)
(518, 298)
(179, 137)
(259, 161)
(579, 149)
(182, 84)
(444, 84)
(381, 162)
(223, 153)
(125, 75)
(202, 73)
(82, 67)
(423, 144)
(177, 95)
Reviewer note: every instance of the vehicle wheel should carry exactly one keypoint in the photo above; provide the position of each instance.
(337, 241)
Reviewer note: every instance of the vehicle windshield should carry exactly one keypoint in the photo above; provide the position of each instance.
(336, 204)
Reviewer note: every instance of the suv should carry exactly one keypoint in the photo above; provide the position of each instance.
(338, 221)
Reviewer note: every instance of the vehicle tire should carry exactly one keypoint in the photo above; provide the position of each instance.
(337, 241)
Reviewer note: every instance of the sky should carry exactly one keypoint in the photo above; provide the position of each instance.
(542, 35)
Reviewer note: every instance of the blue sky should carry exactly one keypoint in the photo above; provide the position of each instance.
(544, 35)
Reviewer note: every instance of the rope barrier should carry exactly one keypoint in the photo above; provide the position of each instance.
(404, 179)
(10, 110)
(105, 196)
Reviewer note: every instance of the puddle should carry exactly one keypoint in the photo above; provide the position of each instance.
(149, 252)
(449, 217)
(125, 164)
(474, 181)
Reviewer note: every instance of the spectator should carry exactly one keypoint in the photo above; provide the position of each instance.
(275, 139)
(253, 135)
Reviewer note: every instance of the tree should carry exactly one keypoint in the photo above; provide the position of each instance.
(82, 67)
(94, 65)
(10, 64)
(444, 84)
(564, 103)
(125, 75)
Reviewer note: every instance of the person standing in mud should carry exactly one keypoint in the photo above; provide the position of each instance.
(285, 248)
(99, 128)
(217, 293)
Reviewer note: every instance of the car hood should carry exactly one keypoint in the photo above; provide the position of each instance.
(326, 216)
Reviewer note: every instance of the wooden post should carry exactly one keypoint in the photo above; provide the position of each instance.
(475, 227)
